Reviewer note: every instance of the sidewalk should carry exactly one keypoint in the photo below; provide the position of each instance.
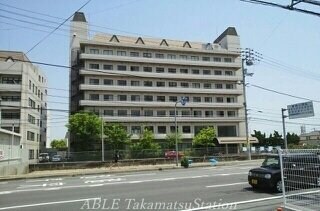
(115, 169)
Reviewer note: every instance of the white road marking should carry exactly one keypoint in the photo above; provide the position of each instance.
(233, 204)
(3, 183)
(45, 180)
(127, 175)
(94, 177)
(5, 192)
(224, 185)
(96, 185)
(43, 185)
(103, 180)
(47, 203)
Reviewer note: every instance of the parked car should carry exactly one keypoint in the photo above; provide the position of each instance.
(172, 154)
(300, 171)
(56, 158)
(44, 157)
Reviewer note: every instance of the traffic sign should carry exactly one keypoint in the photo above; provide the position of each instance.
(300, 110)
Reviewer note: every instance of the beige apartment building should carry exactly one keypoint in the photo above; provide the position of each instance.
(23, 101)
(137, 81)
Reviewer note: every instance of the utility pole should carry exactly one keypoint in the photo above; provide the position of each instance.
(284, 128)
(102, 141)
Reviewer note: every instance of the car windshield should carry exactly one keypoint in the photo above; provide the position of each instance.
(272, 162)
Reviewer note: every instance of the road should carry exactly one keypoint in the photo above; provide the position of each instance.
(180, 189)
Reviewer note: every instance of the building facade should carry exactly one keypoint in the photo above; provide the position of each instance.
(311, 138)
(137, 81)
(23, 93)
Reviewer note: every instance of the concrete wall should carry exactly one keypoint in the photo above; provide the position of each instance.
(13, 158)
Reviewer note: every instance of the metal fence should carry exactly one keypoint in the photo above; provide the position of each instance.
(300, 171)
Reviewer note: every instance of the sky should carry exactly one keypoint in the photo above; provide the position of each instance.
(288, 42)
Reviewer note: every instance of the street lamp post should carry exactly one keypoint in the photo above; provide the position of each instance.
(183, 101)
(102, 141)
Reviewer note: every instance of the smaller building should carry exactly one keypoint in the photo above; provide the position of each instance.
(311, 138)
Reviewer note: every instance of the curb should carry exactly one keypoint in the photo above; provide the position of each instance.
(156, 168)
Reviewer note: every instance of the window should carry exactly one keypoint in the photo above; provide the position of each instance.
(122, 67)
(231, 113)
(122, 113)
(173, 98)
(147, 69)
(30, 136)
(219, 99)
(31, 154)
(228, 72)
(94, 66)
(108, 67)
(122, 97)
(172, 84)
(32, 104)
(185, 113)
(162, 129)
(135, 112)
(147, 55)
(160, 70)
(134, 68)
(121, 53)
(195, 71)
(161, 98)
(206, 58)
(206, 86)
(197, 113)
(171, 113)
(229, 86)
(135, 97)
(172, 70)
(173, 129)
(220, 113)
(197, 99)
(171, 56)
(184, 71)
(11, 98)
(11, 80)
(30, 84)
(135, 129)
(148, 113)
(149, 128)
(10, 115)
(195, 58)
(227, 131)
(94, 97)
(108, 52)
(230, 99)
(228, 60)
(122, 83)
(148, 98)
(108, 82)
(108, 97)
(31, 119)
(183, 57)
(218, 72)
(208, 113)
(93, 81)
(134, 54)
(218, 86)
(161, 113)
(161, 84)
(208, 99)
(94, 51)
(196, 85)
(135, 83)
(206, 72)
(147, 83)
(108, 112)
(186, 129)
(217, 59)
(159, 56)
(184, 84)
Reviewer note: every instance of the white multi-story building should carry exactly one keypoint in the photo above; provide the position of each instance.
(23, 104)
(136, 81)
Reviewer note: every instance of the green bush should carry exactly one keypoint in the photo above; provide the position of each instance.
(185, 162)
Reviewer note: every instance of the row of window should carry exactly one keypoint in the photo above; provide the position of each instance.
(31, 136)
(34, 121)
(161, 55)
(10, 115)
(32, 104)
(11, 98)
(170, 113)
(195, 85)
(36, 90)
(11, 80)
(151, 98)
(135, 68)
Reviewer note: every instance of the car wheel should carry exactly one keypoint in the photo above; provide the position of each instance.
(278, 186)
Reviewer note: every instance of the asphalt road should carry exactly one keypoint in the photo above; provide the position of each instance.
(180, 189)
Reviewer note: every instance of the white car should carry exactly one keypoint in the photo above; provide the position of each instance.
(56, 158)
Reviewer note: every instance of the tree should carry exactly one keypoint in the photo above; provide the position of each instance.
(293, 139)
(86, 127)
(205, 138)
(116, 136)
(171, 140)
(59, 144)
(146, 145)
(263, 141)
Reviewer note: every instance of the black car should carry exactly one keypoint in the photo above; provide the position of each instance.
(301, 171)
